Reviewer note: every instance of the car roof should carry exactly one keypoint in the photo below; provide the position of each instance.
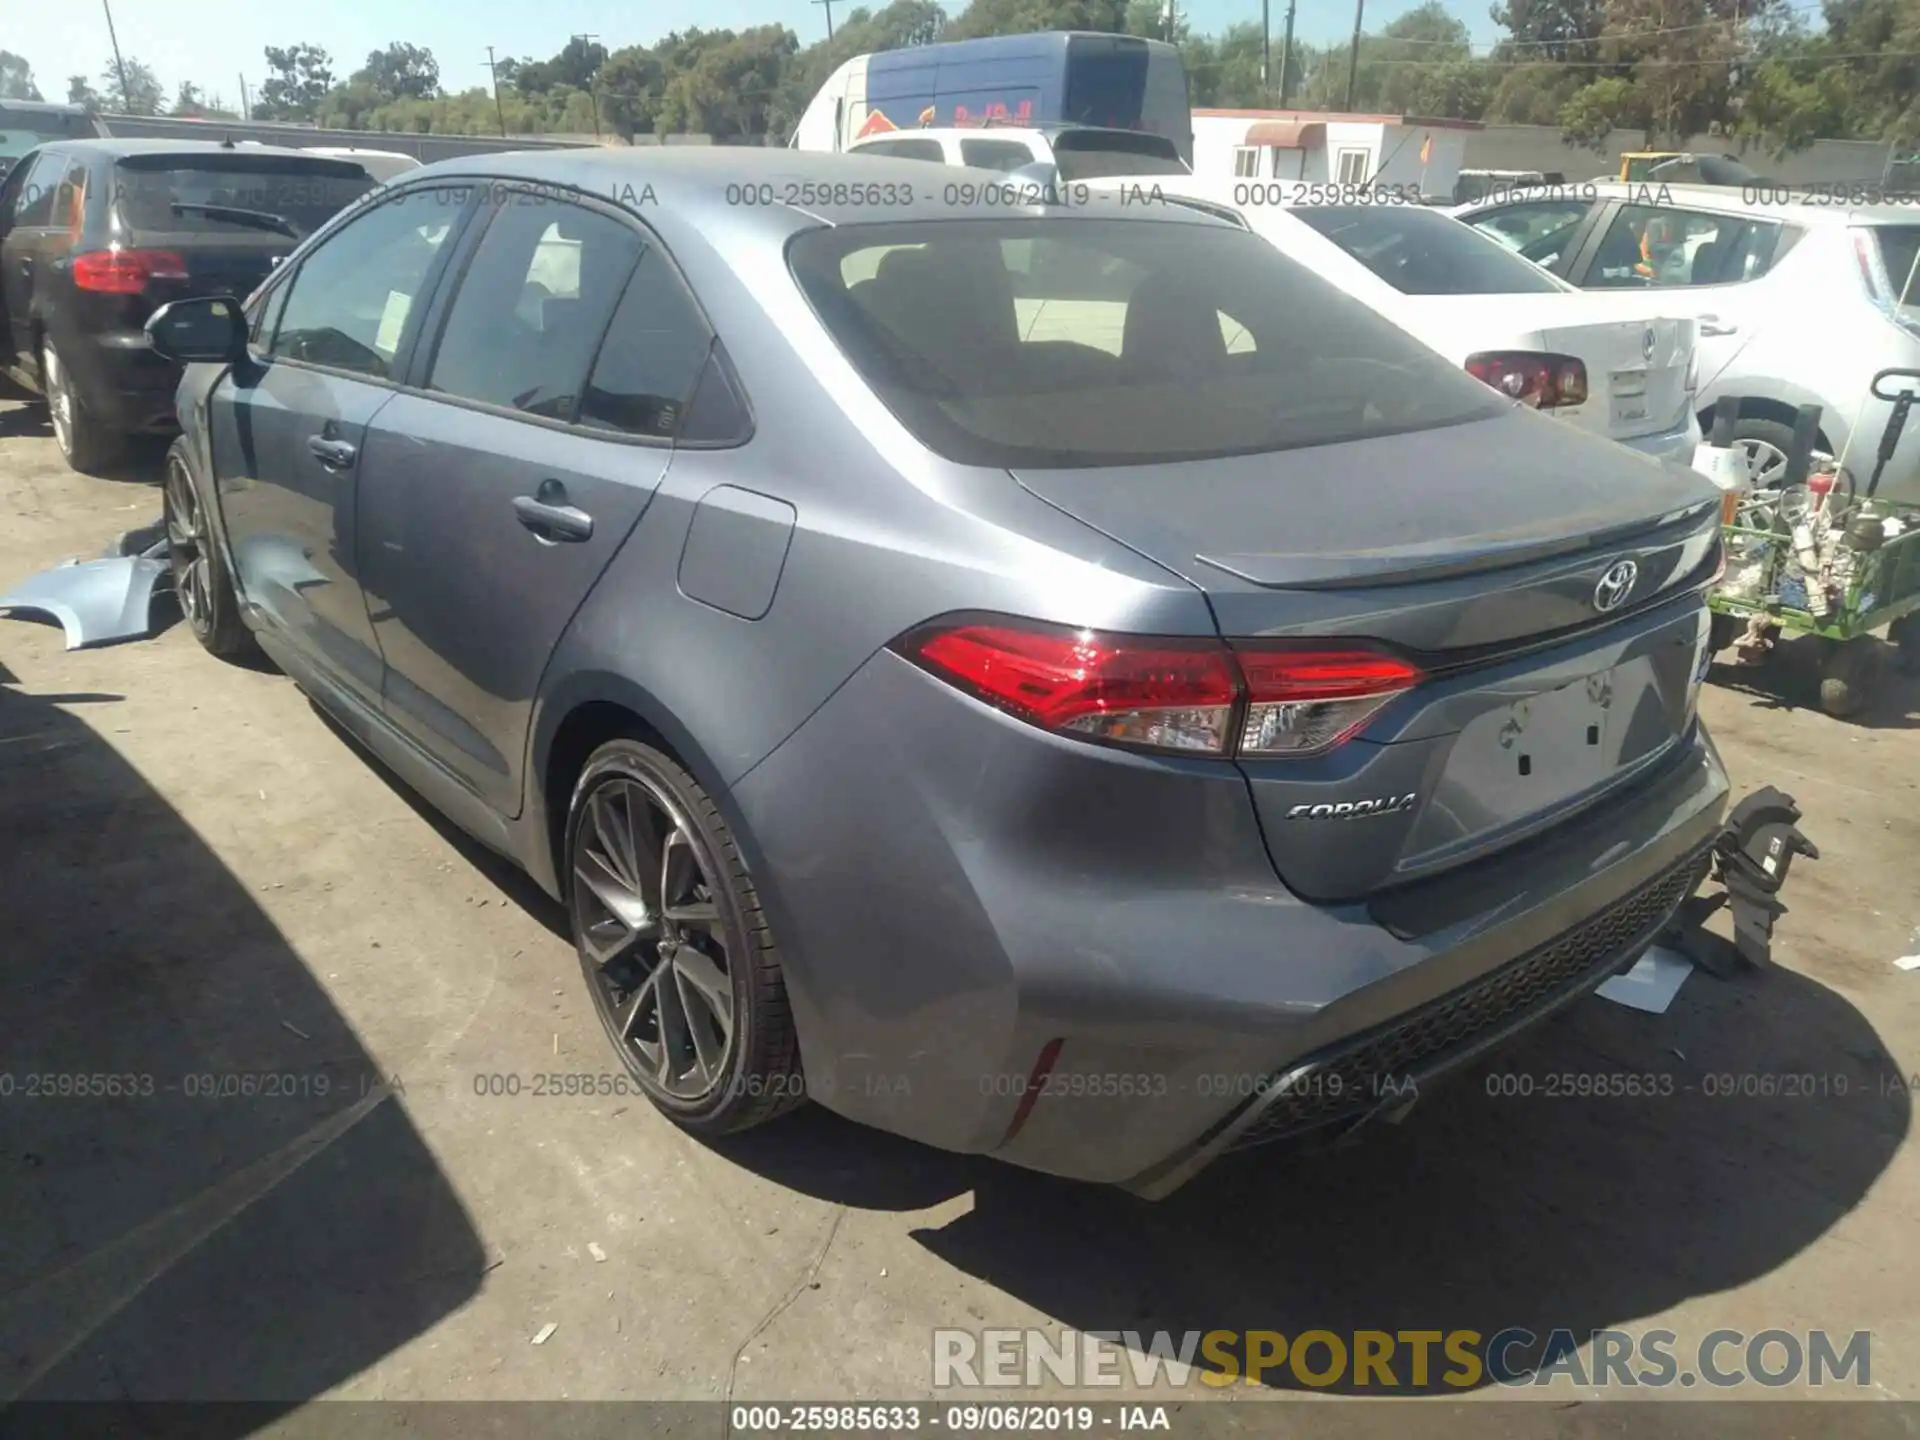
(114, 148)
(699, 186)
(1727, 198)
(43, 107)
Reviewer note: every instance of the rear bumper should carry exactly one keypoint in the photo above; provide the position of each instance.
(123, 385)
(954, 892)
(1676, 444)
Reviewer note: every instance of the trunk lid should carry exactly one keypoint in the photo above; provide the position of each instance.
(1636, 365)
(1483, 553)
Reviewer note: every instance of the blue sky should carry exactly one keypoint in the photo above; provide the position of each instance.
(213, 42)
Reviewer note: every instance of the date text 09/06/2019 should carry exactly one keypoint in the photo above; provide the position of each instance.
(970, 1419)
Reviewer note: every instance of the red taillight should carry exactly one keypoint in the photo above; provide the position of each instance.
(1163, 694)
(125, 272)
(1543, 381)
(1303, 701)
(1190, 696)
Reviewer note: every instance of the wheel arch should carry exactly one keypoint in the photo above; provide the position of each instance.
(574, 719)
(1761, 407)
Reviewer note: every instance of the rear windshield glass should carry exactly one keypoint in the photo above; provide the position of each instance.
(308, 193)
(1899, 244)
(1063, 342)
(1089, 157)
(1419, 252)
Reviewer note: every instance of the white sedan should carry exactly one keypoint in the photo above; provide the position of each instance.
(1629, 376)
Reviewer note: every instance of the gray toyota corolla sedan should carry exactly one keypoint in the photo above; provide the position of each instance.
(1054, 680)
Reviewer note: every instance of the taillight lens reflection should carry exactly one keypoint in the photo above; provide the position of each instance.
(125, 272)
(1194, 696)
(1544, 381)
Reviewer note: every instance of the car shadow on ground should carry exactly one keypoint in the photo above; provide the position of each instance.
(1789, 679)
(1767, 1108)
(205, 1191)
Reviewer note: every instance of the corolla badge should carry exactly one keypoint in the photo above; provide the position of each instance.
(1615, 586)
(1352, 809)
(1647, 344)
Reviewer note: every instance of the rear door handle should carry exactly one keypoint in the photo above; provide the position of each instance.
(1714, 325)
(553, 520)
(334, 454)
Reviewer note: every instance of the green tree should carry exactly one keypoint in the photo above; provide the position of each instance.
(1019, 17)
(301, 75)
(80, 91)
(16, 78)
(139, 94)
(400, 72)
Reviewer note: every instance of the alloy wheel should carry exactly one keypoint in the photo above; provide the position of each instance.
(1766, 463)
(59, 399)
(653, 937)
(186, 548)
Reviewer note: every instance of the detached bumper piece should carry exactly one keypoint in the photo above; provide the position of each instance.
(99, 602)
(1751, 859)
(1381, 1071)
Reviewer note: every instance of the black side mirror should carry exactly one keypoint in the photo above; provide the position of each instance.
(213, 329)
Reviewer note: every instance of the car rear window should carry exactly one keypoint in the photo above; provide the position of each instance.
(1420, 252)
(305, 192)
(1068, 342)
(1082, 155)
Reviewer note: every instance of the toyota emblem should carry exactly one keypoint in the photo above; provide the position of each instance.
(1615, 586)
(1647, 343)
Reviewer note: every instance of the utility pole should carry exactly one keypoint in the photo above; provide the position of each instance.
(499, 114)
(119, 65)
(1286, 58)
(246, 105)
(829, 7)
(593, 95)
(1353, 65)
(1266, 51)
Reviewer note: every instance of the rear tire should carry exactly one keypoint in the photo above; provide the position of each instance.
(202, 584)
(1848, 680)
(677, 953)
(84, 445)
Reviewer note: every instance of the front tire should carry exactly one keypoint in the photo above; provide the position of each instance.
(84, 445)
(676, 950)
(202, 585)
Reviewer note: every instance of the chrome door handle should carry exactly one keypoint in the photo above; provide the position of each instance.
(334, 454)
(1714, 325)
(553, 522)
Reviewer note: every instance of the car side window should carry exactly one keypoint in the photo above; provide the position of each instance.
(266, 316)
(35, 204)
(995, 154)
(347, 307)
(70, 197)
(1540, 230)
(535, 301)
(906, 150)
(652, 357)
(1657, 245)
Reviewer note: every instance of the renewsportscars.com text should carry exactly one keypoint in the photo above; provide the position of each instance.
(1385, 1361)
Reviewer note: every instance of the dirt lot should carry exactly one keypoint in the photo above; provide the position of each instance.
(203, 879)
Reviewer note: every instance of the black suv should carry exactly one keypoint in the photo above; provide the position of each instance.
(96, 234)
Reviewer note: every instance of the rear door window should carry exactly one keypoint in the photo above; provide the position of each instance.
(35, 203)
(1658, 245)
(348, 306)
(532, 307)
(1420, 252)
(1539, 230)
(1074, 342)
(651, 359)
(181, 195)
(1899, 250)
